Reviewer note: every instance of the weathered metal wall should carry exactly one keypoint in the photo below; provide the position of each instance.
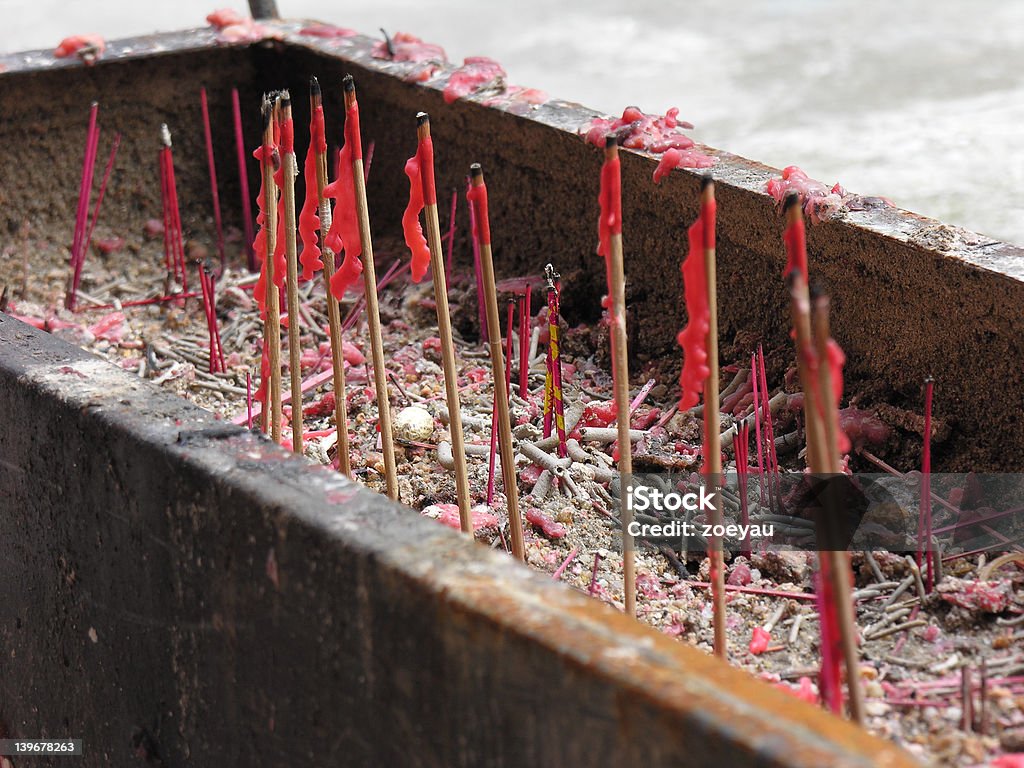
(174, 588)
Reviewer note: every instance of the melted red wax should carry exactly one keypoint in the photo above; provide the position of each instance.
(476, 196)
(410, 48)
(550, 528)
(477, 73)
(91, 46)
(836, 360)
(280, 262)
(411, 219)
(265, 156)
(233, 27)
(649, 132)
(819, 202)
(694, 337)
(863, 427)
(309, 217)
(759, 641)
(261, 391)
(796, 248)
(681, 158)
(344, 232)
(610, 200)
(326, 30)
(805, 691)
(225, 17)
(517, 99)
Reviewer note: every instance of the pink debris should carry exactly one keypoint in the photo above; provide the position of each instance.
(225, 17)
(863, 427)
(35, 322)
(740, 575)
(110, 328)
(153, 229)
(978, 596)
(648, 132)
(352, 354)
(530, 474)
(110, 245)
(322, 407)
(448, 514)
(550, 528)
(326, 30)
(759, 641)
(681, 158)
(477, 73)
(432, 346)
(806, 691)
(518, 100)
(820, 203)
(88, 47)
(1015, 760)
(649, 585)
(931, 634)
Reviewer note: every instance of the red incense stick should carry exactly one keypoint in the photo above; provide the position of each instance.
(450, 237)
(92, 138)
(243, 182)
(524, 343)
(213, 175)
(84, 245)
(924, 528)
(754, 378)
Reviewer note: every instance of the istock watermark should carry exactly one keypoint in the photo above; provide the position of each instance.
(968, 514)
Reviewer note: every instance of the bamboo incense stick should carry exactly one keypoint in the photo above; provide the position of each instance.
(208, 135)
(620, 358)
(243, 181)
(291, 170)
(333, 310)
(482, 235)
(370, 292)
(444, 323)
(839, 560)
(272, 325)
(712, 427)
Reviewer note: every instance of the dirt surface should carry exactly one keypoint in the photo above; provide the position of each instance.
(912, 677)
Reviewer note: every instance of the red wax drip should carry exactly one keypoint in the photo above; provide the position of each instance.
(476, 73)
(309, 218)
(694, 337)
(477, 197)
(265, 154)
(481, 235)
(411, 221)
(796, 248)
(425, 152)
(283, 132)
(344, 232)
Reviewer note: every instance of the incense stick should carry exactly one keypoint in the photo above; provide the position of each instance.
(444, 323)
(620, 358)
(290, 171)
(84, 194)
(482, 235)
(333, 310)
(712, 427)
(243, 181)
(272, 325)
(380, 378)
(839, 559)
(208, 135)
